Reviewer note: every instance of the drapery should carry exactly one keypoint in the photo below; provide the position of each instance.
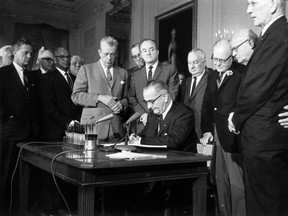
(41, 35)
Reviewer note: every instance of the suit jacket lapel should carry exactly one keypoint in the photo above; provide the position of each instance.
(102, 74)
(167, 119)
(187, 90)
(268, 31)
(17, 77)
(115, 75)
(63, 80)
(157, 71)
(200, 84)
(226, 78)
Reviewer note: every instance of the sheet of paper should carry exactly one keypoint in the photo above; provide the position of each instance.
(206, 150)
(149, 146)
(134, 156)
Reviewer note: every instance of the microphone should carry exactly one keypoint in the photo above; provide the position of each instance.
(105, 118)
(133, 118)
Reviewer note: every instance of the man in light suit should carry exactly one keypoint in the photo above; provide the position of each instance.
(18, 116)
(56, 88)
(219, 101)
(153, 70)
(103, 87)
(193, 88)
(263, 94)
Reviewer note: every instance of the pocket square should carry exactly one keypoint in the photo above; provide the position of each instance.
(122, 82)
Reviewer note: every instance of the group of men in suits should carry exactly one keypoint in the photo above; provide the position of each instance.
(262, 96)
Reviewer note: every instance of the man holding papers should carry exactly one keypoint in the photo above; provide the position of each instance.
(170, 123)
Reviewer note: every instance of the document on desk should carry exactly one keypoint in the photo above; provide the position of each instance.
(134, 156)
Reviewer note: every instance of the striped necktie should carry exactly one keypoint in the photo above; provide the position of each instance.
(109, 77)
(69, 80)
(150, 73)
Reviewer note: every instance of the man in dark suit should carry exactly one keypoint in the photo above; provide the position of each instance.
(57, 89)
(136, 56)
(18, 119)
(103, 87)
(170, 123)
(46, 64)
(153, 70)
(193, 88)
(263, 94)
(219, 101)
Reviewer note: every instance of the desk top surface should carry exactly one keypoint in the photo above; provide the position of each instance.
(96, 159)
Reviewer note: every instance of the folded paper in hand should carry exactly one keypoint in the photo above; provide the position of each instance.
(206, 150)
(134, 156)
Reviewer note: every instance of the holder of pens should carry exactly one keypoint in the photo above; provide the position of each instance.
(91, 134)
(75, 135)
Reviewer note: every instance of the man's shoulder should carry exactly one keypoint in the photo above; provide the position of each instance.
(165, 65)
(181, 108)
(6, 68)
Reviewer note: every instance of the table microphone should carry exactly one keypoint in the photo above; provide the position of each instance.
(105, 118)
(133, 118)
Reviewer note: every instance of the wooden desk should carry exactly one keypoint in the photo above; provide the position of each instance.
(90, 169)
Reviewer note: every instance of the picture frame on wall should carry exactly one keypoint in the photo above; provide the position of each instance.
(176, 35)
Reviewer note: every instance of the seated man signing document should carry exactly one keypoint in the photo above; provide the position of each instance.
(170, 123)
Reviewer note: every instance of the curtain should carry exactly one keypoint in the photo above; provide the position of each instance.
(41, 35)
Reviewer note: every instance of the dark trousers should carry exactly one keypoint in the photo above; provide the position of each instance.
(8, 157)
(266, 182)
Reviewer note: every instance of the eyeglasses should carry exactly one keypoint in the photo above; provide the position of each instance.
(49, 60)
(196, 62)
(77, 63)
(136, 56)
(221, 61)
(153, 101)
(63, 57)
(235, 49)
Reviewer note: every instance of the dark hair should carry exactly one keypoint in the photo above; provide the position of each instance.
(21, 41)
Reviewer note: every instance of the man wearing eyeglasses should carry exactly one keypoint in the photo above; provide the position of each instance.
(76, 63)
(57, 89)
(219, 100)
(136, 56)
(170, 123)
(263, 94)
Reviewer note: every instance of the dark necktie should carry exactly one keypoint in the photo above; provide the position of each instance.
(25, 79)
(219, 79)
(109, 77)
(193, 86)
(69, 80)
(150, 73)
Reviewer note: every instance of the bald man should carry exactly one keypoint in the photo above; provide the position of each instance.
(262, 96)
(219, 100)
(6, 55)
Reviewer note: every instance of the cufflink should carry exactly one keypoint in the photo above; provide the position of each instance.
(122, 82)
